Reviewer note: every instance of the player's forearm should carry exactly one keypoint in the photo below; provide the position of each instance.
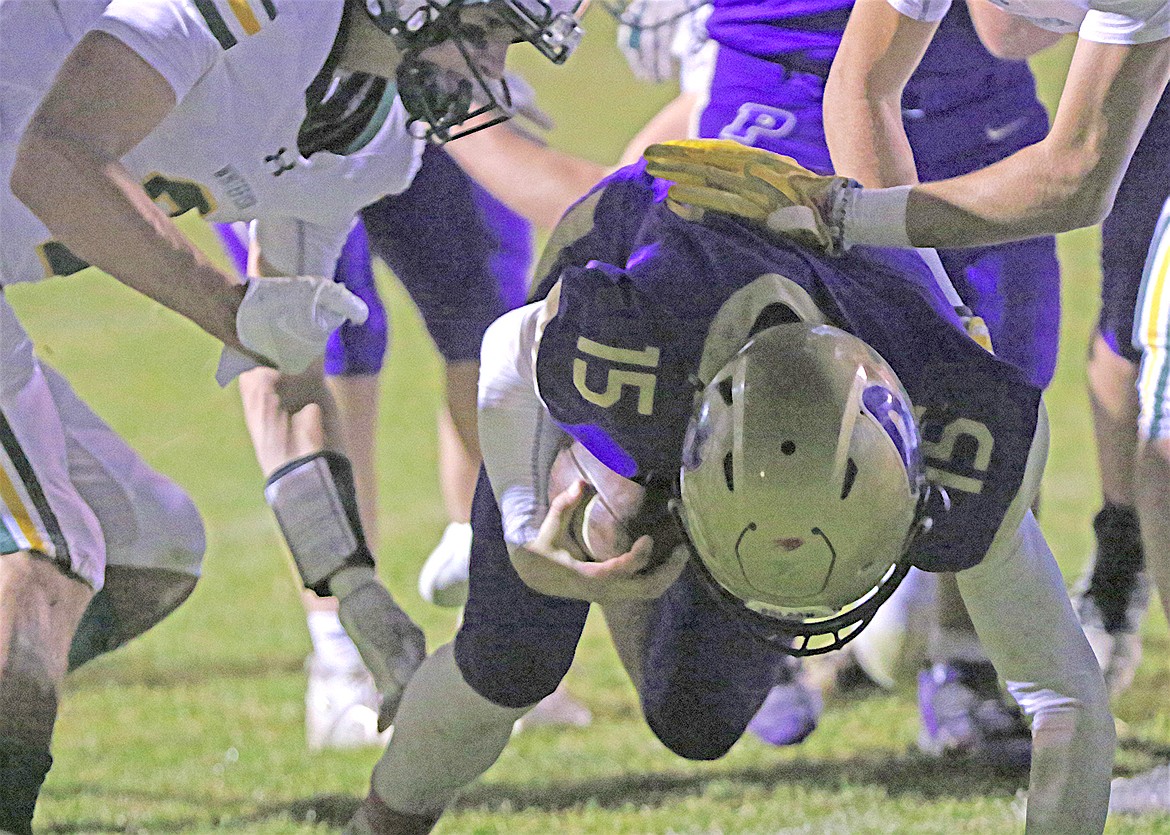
(867, 140)
(1031, 193)
(528, 177)
(92, 205)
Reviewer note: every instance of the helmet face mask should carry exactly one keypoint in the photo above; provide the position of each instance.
(802, 483)
(444, 98)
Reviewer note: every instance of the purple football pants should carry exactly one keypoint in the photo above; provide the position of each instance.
(461, 255)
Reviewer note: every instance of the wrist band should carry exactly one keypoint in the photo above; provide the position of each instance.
(875, 216)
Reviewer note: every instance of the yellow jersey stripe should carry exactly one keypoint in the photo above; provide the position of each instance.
(11, 498)
(244, 15)
(1159, 276)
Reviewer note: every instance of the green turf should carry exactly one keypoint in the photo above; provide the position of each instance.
(198, 726)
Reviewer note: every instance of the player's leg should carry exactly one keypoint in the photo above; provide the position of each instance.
(462, 273)
(1150, 791)
(1025, 621)
(512, 650)
(701, 673)
(152, 532)
(52, 558)
(1114, 594)
(443, 578)
(341, 701)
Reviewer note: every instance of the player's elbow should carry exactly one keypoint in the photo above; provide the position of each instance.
(42, 158)
(1080, 187)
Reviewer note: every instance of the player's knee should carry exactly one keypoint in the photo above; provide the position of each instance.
(522, 683)
(694, 741)
(173, 537)
(131, 602)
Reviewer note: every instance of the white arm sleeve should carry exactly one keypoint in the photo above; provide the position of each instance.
(516, 433)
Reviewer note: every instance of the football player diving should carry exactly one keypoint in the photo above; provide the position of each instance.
(767, 440)
(118, 114)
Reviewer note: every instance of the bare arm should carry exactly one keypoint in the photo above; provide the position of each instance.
(1008, 36)
(540, 182)
(673, 121)
(288, 415)
(105, 100)
(863, 96)
(1068, 179)
(526, 175)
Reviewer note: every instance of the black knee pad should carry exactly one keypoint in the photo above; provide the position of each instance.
(131, 601)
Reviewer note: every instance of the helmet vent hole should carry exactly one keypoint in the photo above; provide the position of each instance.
(850, 477)
(788, 447)
(773, 315)
(725, 390)
(728, 473)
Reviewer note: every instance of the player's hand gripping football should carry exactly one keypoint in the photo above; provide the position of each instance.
(389, 642)
(287, 321)
(774, 191)
(557, 563)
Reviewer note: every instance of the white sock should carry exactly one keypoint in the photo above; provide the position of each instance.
(331, 645)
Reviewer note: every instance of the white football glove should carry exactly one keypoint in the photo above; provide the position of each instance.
(287, 320)
(646, 36)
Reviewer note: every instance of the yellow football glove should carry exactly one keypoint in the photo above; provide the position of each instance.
(772, 190)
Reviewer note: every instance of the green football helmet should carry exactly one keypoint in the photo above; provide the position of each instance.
(802, 483)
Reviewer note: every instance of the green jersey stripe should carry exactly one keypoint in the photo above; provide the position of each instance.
(216, 23)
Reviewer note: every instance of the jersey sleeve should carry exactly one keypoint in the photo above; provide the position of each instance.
(297, 247)
(601, 226)
(1126, 22)
(929, 11)
(614, 369)
(181, 40)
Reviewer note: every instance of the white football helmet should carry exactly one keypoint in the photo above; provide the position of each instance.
(552, 26)
(802, 483)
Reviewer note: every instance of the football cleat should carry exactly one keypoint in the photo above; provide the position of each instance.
(790, 712)
(965, 714)
(443, 579)
(1143, 794)
(1112, 597)
(341, 708)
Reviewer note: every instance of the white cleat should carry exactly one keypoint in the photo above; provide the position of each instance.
(557, 708)
(444, 576)
(1147, 793)
(341, 708)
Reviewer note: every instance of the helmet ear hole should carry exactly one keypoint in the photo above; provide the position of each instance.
(728, 472)
(850, 477)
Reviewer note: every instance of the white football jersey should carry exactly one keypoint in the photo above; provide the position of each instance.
(239, 69)
(1104, 21)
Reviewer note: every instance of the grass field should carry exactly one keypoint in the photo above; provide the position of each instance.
(198, 726)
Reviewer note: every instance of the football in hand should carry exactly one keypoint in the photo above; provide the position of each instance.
(598, 528)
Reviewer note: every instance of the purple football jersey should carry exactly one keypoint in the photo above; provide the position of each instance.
(672, 278)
